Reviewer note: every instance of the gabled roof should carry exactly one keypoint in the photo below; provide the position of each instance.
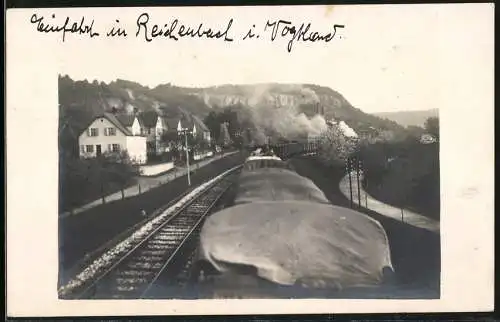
(149, 118)
(113, 119)
(117, 122)
(171, 119)
(171, 122)
(125, 119)
(189, 120)
(200, 124)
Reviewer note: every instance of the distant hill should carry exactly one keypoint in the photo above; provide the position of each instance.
(291, 105)
(407, 118)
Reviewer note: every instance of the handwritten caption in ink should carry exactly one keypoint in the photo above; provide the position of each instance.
(175, 30)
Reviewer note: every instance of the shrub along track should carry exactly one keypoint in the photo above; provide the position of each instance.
(80, 235)
(165, 244)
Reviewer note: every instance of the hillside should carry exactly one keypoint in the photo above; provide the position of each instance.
(409, 118)
(80, 101)
(285, 109)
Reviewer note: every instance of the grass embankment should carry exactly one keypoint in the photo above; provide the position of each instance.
(404, 174)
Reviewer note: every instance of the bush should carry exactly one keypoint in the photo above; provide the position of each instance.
(84, 180)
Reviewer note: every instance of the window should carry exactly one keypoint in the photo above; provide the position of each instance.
(82, 148)
(90, 148)
(110, 131)
(116, 148)
(93, 132)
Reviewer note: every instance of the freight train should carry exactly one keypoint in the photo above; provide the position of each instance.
(281, 237)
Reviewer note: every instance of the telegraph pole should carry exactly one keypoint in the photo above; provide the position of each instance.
(187, 156)
(350, 181)
(359, 188)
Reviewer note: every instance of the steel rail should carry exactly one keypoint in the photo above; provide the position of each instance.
(182, 210)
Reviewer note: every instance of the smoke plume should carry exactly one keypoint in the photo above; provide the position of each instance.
(285, 122)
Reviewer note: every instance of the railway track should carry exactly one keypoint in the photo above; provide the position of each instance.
(165, 250)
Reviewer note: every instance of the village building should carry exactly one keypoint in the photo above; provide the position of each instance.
(427, 139)
(110, 133)
(140, 134)
(193, 124)
(154, 126)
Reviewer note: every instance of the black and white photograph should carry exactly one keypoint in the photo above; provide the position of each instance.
(254, 152)
(244, 190)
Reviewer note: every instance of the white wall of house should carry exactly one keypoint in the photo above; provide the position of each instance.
(206, 136)
(152, 170)
(149, 133)
(136, 127)
(136, 148)
(199, 156)
(87, 143)
(159, 127)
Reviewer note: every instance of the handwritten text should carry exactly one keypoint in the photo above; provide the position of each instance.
(75, 27)
(175, 30)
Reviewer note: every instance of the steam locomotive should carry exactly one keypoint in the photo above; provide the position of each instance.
(281, 237)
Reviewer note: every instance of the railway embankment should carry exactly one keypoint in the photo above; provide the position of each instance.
(129, 268)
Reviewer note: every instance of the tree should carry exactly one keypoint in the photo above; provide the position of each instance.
(83, 180)
(224, 138)
(213, 123)
(246, 138)
(432, 126)
(415, 131)
(335, 147)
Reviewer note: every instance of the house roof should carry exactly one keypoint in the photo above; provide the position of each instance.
(113, 119)
(149, 118)
(125, 119)
(189, 120)
(186, 121)
(117, 122)
(200, 124)
(171, 122)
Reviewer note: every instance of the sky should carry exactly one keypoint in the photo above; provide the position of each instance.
(389, 57)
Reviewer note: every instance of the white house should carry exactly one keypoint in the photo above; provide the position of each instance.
(110, 133)
(154, 126)
(427, 139)
(192, 123)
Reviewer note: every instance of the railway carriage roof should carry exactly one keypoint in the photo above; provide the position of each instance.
(276, 184)
(298, 242)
